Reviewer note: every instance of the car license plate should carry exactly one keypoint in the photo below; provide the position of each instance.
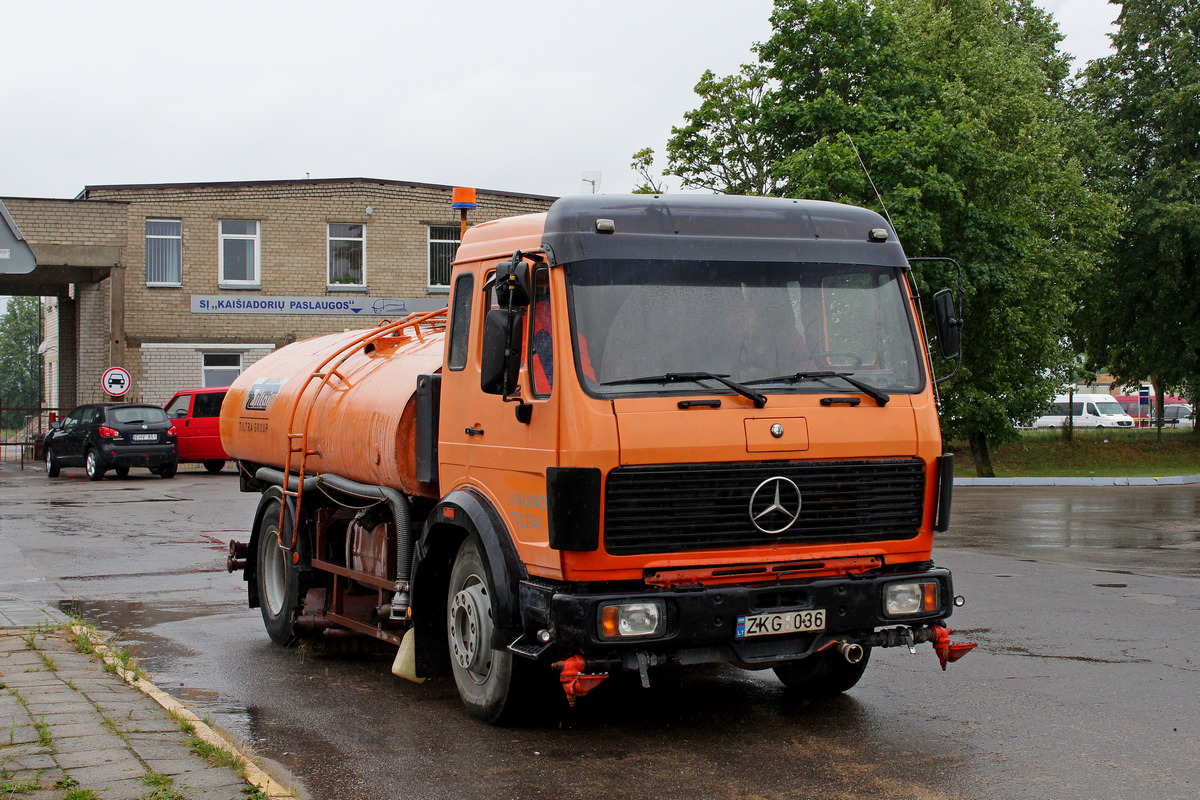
(812, 619)
(145, 437)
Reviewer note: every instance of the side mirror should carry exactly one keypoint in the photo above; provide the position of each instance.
(949, 324)
(512, 282)
(56, 425)
(501, 362)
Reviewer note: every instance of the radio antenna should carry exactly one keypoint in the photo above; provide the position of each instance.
(871, 180)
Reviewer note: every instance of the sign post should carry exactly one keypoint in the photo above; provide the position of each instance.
(116, 381)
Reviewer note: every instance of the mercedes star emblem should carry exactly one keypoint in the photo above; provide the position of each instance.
(775, 505)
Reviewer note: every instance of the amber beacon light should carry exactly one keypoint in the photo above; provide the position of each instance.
(463, 199)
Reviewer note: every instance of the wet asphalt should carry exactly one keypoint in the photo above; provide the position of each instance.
(1085, 602)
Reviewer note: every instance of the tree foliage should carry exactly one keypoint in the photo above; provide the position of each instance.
(1142, 315)
(20, 363)
(957, 110)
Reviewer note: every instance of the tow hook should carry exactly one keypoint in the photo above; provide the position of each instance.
(575, 681)
(946, 650)
(236, 560)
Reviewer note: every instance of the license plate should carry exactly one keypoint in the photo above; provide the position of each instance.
(145, 437)
(812, 619)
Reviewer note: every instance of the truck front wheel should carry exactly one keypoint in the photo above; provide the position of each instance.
(823, 674)
(278, 580)
(484, 675)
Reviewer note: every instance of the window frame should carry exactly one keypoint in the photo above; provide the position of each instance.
(228, 283)
(429, 242)
(205, 368)
(178, 282)
(461, 306)
(329, 240)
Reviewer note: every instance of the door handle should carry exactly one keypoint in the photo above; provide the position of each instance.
(474, 431)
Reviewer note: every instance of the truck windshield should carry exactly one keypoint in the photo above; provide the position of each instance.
(639, 324)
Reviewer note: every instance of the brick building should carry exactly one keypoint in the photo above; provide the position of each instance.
(186, 285)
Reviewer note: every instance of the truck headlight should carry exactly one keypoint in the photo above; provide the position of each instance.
(907, 599)
(631, 620)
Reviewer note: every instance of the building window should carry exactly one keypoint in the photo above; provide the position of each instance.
(443, 243)
(347, 255)
(164, 251)
(221, 369)
(239, 252)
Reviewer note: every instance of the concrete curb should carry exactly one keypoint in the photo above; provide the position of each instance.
(1175, 480)
(254, 774)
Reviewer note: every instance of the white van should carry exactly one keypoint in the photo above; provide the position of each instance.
(1090, 411)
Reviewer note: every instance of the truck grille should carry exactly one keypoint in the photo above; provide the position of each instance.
(682, 507)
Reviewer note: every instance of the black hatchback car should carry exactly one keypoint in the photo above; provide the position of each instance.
(116, 436)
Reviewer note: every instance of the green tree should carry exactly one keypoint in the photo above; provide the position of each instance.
(1142, 315)
(643, 164)
(725, 146)
(20, 363)
(957, 110)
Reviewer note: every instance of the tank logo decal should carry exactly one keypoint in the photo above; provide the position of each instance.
(262, 392)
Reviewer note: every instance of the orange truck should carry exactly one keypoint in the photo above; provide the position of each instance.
(647, 430)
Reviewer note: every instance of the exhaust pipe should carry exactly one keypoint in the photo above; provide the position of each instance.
(853, 653)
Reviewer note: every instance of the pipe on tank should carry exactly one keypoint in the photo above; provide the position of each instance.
(275, 476)
(395, 501)
(398, 504)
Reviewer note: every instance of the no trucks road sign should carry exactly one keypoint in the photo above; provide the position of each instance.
(116, 381)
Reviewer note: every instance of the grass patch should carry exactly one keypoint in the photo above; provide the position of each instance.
(184, 724)
(1093, 453)
(43, 732)
(66, 782)
(82, 794)
(217, 756)
(48, 661)
(9, 788)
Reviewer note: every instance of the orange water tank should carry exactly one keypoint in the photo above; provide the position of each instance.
(348, 400)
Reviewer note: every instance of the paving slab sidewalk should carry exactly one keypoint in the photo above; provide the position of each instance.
(81, 726)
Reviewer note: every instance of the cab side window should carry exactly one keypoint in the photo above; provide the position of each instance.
(179, 406)
(460, 321)
(541, 340)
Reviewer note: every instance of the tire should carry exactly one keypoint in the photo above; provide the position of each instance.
(822, 675)
(95, 470)
(483, 674)
(52, 466)
(278, 580)
(214, 466)
(168, 470)
(122, 472)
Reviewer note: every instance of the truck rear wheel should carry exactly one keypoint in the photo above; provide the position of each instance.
(822, 675)
(278, 580)
(483, 674)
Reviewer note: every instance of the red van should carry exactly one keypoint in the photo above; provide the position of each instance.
(197, 416)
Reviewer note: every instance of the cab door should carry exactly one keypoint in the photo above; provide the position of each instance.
(67, 442)
(503, 448)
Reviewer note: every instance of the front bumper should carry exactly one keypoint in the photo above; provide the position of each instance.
(701, 622)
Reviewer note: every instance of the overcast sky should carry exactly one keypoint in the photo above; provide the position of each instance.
(520, 95)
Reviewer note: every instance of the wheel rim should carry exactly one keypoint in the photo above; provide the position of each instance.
(49, 459)
(91, 462)
(274, 573)
(471, 629)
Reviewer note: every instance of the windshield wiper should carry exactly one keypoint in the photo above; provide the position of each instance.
(878, 395)
(759, 398)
